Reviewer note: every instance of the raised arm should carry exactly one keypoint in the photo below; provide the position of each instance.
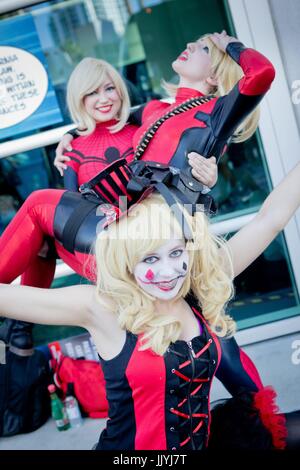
(249, 242)
(233, 108)
(64, 306)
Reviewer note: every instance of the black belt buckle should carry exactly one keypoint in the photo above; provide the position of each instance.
(85, 189)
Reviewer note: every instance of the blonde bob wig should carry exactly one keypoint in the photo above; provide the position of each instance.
(228, 73)
(87, 76)
(148, 226)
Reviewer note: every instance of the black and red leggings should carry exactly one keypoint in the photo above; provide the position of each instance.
(23, 238)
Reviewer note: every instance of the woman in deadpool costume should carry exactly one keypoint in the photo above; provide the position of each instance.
(196, 122)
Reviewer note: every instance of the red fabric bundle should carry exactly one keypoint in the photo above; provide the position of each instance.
(89, 383)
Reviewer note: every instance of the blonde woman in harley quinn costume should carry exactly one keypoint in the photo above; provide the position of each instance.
(157, 317)
(216, 64)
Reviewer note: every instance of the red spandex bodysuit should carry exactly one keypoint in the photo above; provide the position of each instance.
(24, 236)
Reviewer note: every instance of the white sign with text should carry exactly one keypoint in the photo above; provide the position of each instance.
(23, 85)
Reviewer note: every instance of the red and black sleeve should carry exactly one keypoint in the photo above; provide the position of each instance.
(231, 109)
(236, 370)
(253, 406)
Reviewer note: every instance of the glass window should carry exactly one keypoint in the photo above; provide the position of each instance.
(265, 291)
(21, 174)
(243, 182)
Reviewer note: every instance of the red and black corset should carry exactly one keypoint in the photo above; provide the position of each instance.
(160, 402)
(193, 366)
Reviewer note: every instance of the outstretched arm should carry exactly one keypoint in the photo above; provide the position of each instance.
(64, 306)
(249, 242)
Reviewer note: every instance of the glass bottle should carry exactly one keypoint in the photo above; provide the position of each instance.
(57, 410)
(72, 407)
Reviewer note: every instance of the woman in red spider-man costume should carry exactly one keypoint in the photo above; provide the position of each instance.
(197, 125)
(99, 102)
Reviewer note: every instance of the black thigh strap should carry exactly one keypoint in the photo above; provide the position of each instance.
(71, 228)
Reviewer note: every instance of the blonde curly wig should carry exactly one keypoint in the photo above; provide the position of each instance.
(148, 226)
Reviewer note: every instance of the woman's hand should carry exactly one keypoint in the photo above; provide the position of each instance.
(204, 169)
(221, 40)
(60, 159)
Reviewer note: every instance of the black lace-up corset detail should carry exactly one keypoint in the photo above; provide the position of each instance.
(190, 368)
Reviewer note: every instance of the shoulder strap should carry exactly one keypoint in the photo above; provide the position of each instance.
(181, 108)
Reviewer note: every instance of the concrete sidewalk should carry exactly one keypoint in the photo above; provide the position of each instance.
(47, 437)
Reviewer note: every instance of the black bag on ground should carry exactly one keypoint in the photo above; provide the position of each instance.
(24, 398)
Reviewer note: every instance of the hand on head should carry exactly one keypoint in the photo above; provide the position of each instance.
(221, 40)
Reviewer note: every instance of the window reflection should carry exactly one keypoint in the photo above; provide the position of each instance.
(265, 286)
(21, 174)
(242, 182)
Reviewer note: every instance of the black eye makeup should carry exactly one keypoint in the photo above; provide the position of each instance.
(150, 259)
(176, 253)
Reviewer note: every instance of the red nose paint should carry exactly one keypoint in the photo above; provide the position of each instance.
(149, 275)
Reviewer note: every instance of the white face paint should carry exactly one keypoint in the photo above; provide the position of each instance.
(161, 274)
(194, 63)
